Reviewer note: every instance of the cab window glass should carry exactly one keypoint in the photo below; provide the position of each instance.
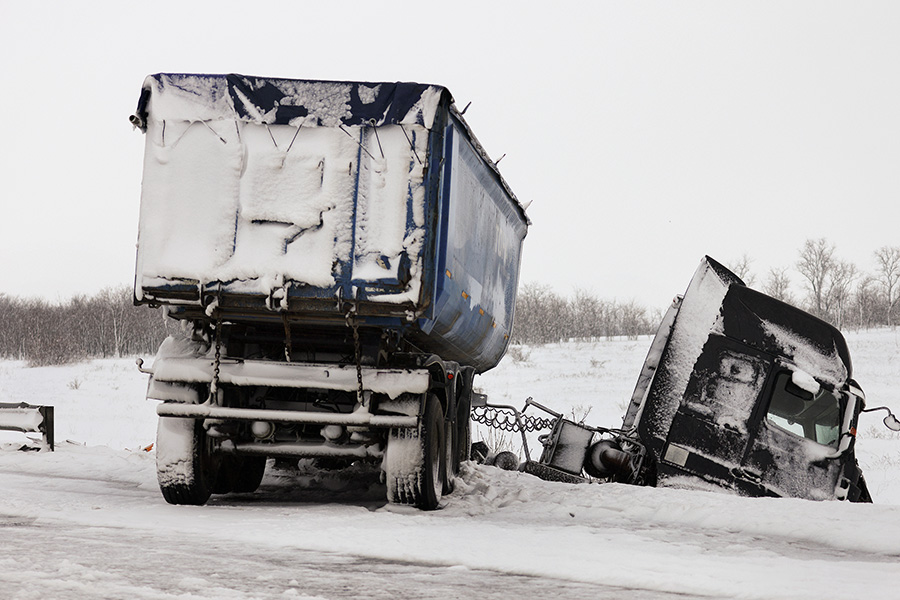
(813, 416)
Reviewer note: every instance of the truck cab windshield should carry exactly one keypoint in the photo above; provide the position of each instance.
(815, 416)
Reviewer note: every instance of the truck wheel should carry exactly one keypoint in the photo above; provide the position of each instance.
(450, 447)
(414, 460)
(463, 433)
(506, 460)
(239, 474)
(458, 444)
(250, 474)
(227, 475)
(185, 465)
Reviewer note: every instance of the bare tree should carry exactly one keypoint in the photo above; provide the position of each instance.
(815, 265)
(633, 320)
(107, 324)
(865, 303)
(542, 316)
(587, 314)
(840, 281)
(887, 260)
(778, 285)
(741, 268)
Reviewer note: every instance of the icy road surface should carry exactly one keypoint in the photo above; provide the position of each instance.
(88, 521)
(109, 537)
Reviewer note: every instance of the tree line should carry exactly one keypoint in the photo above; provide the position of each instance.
(833, 289)
(104, 325)
(109, 325)
(543, 316)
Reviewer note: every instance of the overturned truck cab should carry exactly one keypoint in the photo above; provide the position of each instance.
(745, 392)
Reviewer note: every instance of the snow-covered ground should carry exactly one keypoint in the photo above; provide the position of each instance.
(87, 521)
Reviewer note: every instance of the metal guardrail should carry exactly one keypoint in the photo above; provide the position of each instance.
(28, 419)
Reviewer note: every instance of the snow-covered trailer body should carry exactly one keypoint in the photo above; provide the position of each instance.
(347, 255)
(266, 198)
(746, 392)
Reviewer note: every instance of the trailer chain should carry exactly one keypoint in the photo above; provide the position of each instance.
(288, 346)
(353, 324)
(506, 420)
(214, 384)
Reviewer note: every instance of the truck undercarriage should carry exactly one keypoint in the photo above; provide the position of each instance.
(228, 403)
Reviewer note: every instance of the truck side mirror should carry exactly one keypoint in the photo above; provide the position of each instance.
(890, 421)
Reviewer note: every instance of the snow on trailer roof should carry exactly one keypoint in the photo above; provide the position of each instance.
(298, 102)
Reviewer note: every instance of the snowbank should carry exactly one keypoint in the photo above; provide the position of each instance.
(614, 541)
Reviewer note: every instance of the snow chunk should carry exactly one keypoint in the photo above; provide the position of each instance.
(805, 381)
(367, 94)
(824, 362)
(328, 102)
(178, 347)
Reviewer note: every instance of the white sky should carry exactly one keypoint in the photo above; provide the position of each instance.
(646, 134)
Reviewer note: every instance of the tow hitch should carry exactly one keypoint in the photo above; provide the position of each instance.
(572, 452)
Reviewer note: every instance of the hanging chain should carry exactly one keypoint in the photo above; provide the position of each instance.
(214, 384)
(353, 323)
(506, 420)
(288, 345)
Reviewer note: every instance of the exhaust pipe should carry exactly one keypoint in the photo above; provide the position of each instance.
(605, 459)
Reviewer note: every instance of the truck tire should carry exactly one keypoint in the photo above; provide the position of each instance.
(506, 460)
(228, 470)
(451, 468)
(463, 432)
(239, 474)
(460, 443)
(186, 468)
(250, 474)
(414, 460)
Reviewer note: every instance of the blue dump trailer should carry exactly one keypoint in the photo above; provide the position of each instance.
(344, 256)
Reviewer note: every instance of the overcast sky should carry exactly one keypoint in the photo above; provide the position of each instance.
(646, 135)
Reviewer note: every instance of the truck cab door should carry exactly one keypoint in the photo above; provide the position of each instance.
(796, 451)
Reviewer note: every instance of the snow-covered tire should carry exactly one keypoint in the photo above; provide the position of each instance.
(185, 465)
(414, 460)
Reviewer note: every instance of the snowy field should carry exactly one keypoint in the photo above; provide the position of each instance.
(87, 521)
